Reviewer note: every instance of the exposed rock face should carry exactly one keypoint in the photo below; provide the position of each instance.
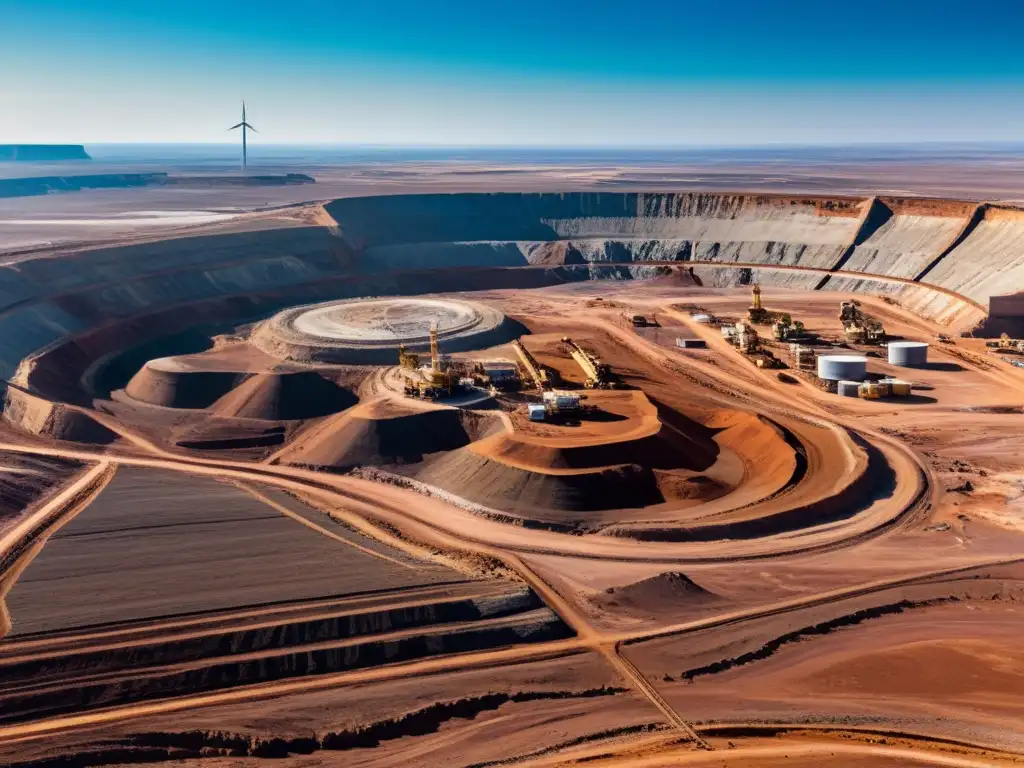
(409, 244)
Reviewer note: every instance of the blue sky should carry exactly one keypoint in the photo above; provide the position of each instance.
(654, 73)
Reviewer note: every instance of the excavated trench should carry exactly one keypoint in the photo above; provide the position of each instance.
(43, 685)
(158, 746)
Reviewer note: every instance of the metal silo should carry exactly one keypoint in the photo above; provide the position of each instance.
(842, 367)
(908, 353)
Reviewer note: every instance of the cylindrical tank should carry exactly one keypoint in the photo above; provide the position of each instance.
(842, 367)
(908, 353)
(849, 388)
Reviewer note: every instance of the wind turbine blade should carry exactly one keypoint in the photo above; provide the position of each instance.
(236, 126)
(251, 128)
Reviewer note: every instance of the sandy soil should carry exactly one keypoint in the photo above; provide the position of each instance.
(159, 544)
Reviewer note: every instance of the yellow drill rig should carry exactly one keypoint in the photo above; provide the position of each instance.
(757, 313)
(597, 374)
(531, 369)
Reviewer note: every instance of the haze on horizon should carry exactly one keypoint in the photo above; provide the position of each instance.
(569, 73)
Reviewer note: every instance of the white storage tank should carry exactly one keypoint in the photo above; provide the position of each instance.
(908, 353)
(849, 388)
(842, 367)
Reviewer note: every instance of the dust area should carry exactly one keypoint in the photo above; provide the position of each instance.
(157, 544)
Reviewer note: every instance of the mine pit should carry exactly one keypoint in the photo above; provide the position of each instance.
(590, 473)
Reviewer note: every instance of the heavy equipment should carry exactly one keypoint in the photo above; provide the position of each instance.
(438, 380)
(531, 369)
(746, 338)
(858, 327)
(408, 361)
(756, 312)
(597, 374)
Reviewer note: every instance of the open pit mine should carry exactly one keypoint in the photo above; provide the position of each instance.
(519, 479)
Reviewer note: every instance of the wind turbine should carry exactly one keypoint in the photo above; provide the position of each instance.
(244, 126)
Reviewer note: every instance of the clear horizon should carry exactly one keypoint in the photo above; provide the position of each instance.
(460, 74)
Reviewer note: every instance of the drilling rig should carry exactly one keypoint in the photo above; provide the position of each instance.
(598, 374)
(438, 380)
(756, 312)
(531, 369)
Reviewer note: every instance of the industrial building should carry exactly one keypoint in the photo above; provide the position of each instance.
(691, 343)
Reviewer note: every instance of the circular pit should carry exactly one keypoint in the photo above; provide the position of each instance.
(370, 331)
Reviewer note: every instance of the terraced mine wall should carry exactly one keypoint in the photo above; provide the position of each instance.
(80, 308)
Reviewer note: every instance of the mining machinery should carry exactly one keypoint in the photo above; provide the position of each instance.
(597, 374)
(786, 328)
(438, 380)
(746, 338)
(408, 361)
(531, 368)
(858, 327)
(756, 312)
(1007, 344)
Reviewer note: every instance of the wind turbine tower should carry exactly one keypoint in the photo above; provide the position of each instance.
(245, 127)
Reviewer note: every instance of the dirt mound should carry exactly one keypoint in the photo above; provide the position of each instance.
(533, 494)
(665, 587)
(664, 449)
(284, 397)
(667, 594)
(162, 383)
(626, 428)
(380, 433)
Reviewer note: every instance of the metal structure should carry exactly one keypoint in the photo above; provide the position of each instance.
(842, 367)
(409, 361)
(849, 388)
(873, 390)
(534, 370)
(597, 374)
(244, 125)
(435, 356)
(757, 313)
(803, 357)
(898, 387)
(746, 339)
(908, 353)
(785, 328)
(557, 401)
(858, 327)
(691, 343)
